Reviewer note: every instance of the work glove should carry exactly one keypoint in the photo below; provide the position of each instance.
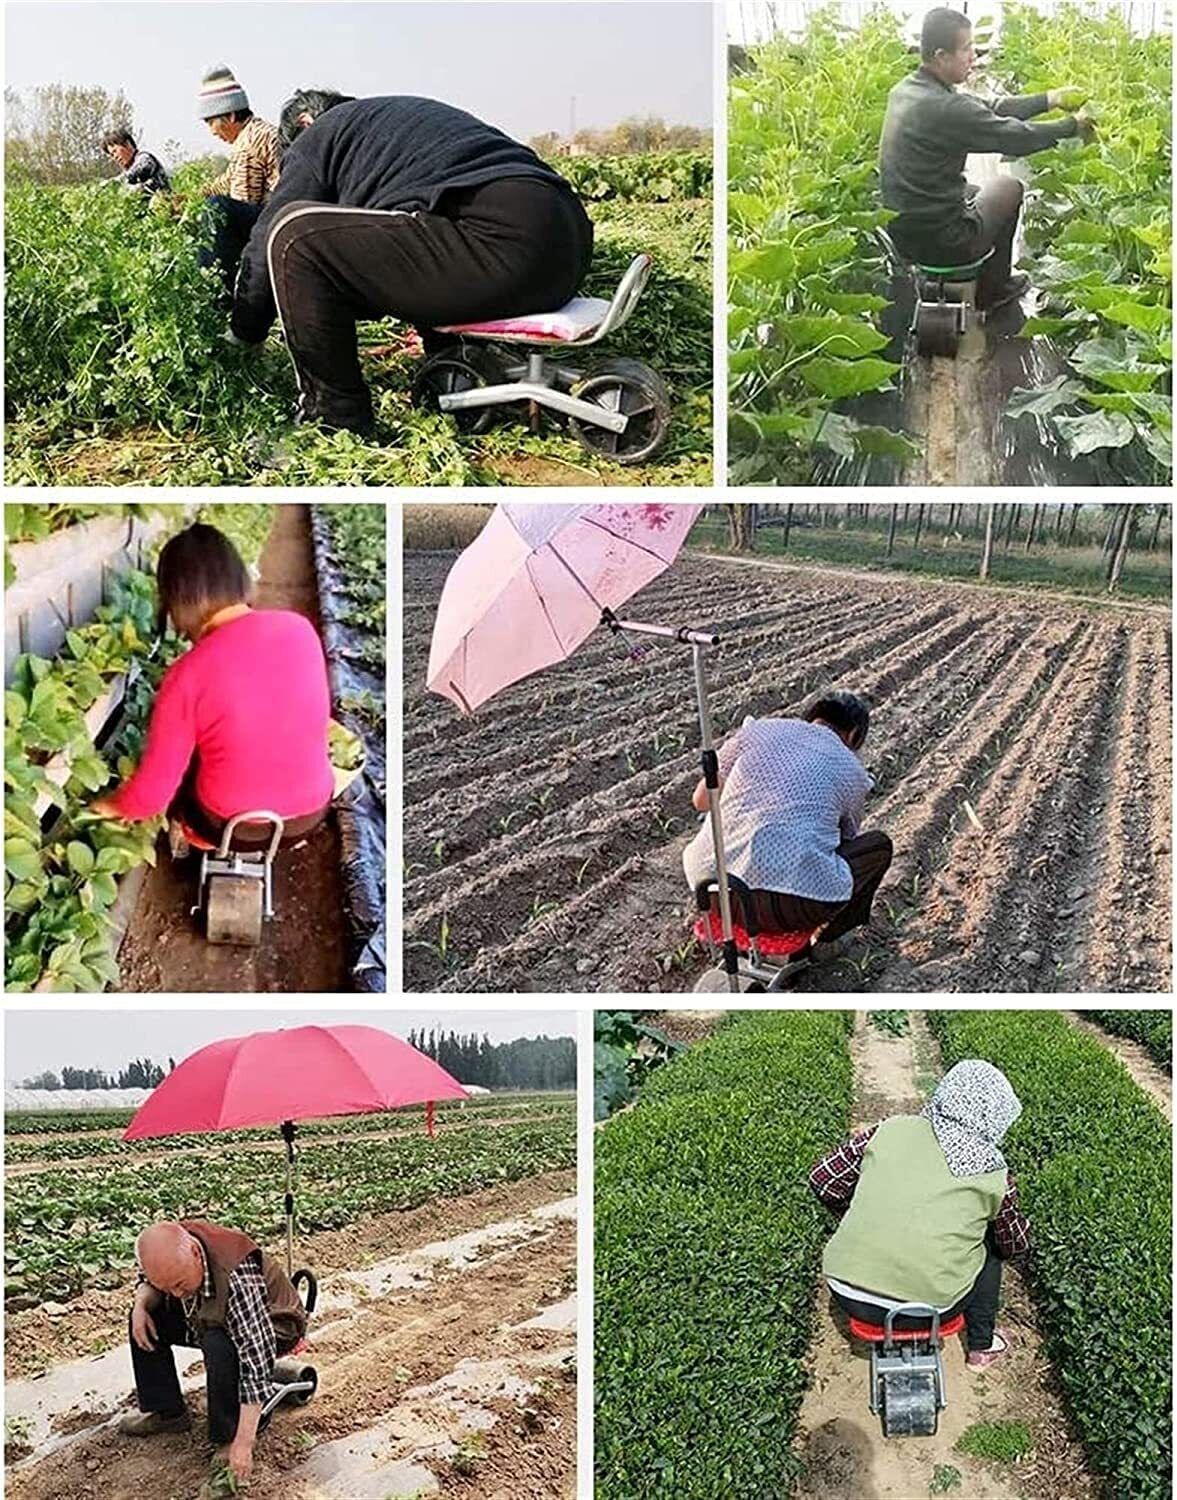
(1069, 98)
(1086, 126)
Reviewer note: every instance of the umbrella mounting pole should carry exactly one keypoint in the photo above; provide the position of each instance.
(288, 1137)
(699, 641)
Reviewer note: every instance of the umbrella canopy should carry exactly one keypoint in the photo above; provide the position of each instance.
(532, 585)
(273, 1076)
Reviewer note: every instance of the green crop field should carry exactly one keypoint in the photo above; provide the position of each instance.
(117, 371)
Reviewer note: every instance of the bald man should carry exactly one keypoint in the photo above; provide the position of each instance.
(205, 1287)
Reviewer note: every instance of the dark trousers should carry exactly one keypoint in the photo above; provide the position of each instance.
(188, 809)
(514, 246)
(228, 224)
(158, 1386)
(869, 857)
(992, 224)
(979, 1303)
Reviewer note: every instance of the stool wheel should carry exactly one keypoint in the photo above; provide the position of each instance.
(624, 385)
(234, 911)
(464, 367)
(938, 327)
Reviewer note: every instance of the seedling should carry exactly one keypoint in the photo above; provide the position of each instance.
(469, 1454)
(945, 1480)
(1003, 1442)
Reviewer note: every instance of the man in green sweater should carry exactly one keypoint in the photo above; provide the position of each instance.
(928, 131)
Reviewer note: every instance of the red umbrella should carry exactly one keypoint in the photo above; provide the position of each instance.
(277, 1077)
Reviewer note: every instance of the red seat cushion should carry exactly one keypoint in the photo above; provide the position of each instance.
(873, 1333)
(771, 944)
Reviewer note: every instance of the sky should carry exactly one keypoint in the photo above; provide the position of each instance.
(525, 67)
(53, 1039)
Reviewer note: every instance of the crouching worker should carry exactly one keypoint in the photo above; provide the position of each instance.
(406, 208)
(239, 723)
(206, 1287)
(237, 197)
(929, 1210)
(792, 794)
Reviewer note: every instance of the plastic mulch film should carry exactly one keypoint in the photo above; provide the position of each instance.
(360, 812)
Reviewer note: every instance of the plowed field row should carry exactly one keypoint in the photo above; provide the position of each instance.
(543, 834)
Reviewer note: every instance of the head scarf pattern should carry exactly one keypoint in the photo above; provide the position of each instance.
(971, 1110)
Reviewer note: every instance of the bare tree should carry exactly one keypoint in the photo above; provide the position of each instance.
(741, 520)
(891, 530)
(788, 527)
(919, 524)
(1075, 509)
(1160, 510)
(53, 133)
(987, 555)
(1127, 528)
(1114, 540)
(1035, 511)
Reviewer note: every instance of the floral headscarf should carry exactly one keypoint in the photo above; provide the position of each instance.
(971, 1110)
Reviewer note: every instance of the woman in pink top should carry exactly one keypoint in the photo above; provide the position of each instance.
(240, 721)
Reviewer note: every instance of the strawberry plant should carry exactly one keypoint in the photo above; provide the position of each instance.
(1093, 1157)
(1098, 226)
(707, 1248)
(61, 881)
(75, 1226)
(806, 278)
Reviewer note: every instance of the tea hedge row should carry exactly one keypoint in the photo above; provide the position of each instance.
(69, 1228)
(1153, 1029)
(1093, 1156)
(707, 1247)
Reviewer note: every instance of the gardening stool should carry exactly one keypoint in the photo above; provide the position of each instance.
(236, 890)
(945, 299)
(617, 408)
(769, 959)
(906, 1371)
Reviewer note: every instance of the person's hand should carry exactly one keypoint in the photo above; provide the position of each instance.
(240, 1459)
(104, 807)
(143, 1329)
(1069, 98)
(1086, 126)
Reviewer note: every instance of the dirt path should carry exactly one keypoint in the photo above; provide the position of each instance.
(1152, 1079)
(446, 1368)
(303, 949)
(841, 1444)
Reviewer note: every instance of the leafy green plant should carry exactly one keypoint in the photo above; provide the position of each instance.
(625, 1052)
(946, 1479)
(118, 371)
(61, 881)
(1093, 1158)
(649, 177)
(75, 1226)
(805, 275)
(890, 1022)
(1002, 1442)
(1153, 1029)
(1098, 225)
(707, 1246)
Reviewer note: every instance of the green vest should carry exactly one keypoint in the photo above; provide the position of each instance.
(913, 1231)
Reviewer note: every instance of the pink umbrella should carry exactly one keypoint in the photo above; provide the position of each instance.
(277, 1077)
(535, 583)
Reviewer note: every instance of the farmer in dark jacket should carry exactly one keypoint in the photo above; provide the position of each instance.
(140, 170)
(930, 128)
(206, 1287)
(399, 207)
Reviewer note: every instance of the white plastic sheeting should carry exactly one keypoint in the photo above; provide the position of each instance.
(59, 1100)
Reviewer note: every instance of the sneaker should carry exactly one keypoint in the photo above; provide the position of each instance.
(1013, 291)
(152, 1423)
(980, 1359)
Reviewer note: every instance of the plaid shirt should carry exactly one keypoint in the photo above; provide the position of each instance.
(247, 1323)
(835, 1177)
(252, 173)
